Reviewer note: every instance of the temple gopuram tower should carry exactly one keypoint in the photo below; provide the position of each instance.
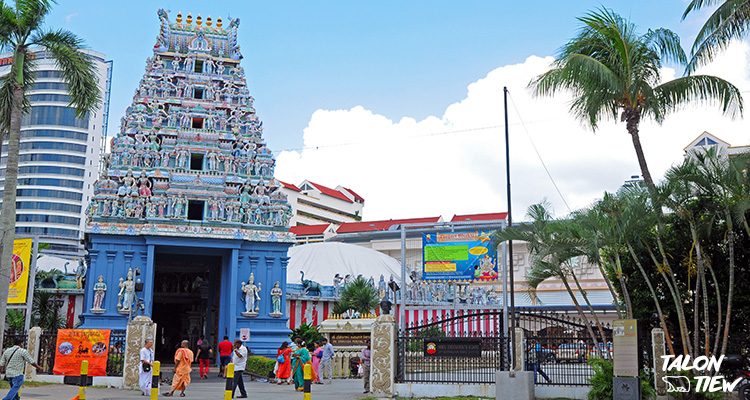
(187, 224)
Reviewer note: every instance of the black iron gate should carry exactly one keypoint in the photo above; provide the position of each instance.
(559, 346)
(459, 348)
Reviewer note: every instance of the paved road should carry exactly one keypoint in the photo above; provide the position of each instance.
(212, 389)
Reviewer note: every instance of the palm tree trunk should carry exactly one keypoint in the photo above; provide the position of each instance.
(662, 321)
(633, 119)
(684, 333)
(718, 309)
(590, 307)
(677, 299)
(702, 282)
(696, 314)
(580, 310)
(8, 216)
(624, 288)
(730, 291)
(611, 288)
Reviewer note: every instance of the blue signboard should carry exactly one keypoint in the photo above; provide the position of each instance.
(459, 256)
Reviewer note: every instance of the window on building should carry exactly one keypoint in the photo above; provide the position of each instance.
(50, 86)
(54, 194)
(39, 205)
(195, 210)
(52, 219)
(48, 157)
(198, 66)
(48, 74)
(198, 93)
(33, 230)
(196, 162)
(67, 183)
(197, 123)
(50, 97)
(54, 133)
(78, 148)
(44, 169)
(54, 115)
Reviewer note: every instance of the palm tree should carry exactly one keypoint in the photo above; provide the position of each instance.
(615, 73)
(551, 251)
(731, 20)
(22, 33)
(359, 295)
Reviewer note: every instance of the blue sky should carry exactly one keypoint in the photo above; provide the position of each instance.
(395, 58)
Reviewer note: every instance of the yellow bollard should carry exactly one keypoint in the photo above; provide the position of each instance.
(307, 374)
(229, 388)
(155, 375)
(84, 378)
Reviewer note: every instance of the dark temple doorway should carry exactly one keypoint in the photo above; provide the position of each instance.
(186, 301)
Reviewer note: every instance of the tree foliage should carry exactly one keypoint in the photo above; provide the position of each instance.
(358, 295)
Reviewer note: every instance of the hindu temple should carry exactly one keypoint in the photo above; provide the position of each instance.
(188, 225)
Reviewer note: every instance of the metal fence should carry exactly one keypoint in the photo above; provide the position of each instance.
(116, 357)
(47, 350)
(558, 347)
(448, 351)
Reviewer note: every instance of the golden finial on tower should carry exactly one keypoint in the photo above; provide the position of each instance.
(209, 21)
(218, 22)
(189, 19)
(179, 17)
(199, 20)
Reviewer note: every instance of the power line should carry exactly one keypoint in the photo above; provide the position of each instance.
(539, 156)
(441, 133)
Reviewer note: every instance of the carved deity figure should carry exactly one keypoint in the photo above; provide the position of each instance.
(382, 289)
(337, 279)
(276, 294)
(127, 291)
(144, 185)
(252, 295)
(100, 289)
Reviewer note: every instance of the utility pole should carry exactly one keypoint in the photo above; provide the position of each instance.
(512, 311)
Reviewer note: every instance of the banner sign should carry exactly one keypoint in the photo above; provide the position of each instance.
(19, 271)
(453, 347)
(625, 341)
(459, 256)
(76, 345)
(350, 339)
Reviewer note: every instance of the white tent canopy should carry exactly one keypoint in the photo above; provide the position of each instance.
(321, 261)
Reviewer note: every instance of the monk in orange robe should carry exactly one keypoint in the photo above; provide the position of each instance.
(182, 360)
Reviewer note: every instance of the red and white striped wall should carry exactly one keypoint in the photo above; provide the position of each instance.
(315, 312)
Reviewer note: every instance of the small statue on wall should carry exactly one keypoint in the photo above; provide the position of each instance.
(276, 294)
(127, 291)
(100, 289)
(252, 297)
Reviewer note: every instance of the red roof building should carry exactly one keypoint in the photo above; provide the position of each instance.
(315, 204)
(480, 217)
(384, 225)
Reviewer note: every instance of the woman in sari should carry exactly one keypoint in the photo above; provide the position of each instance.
(316, 356)
(300, 357)
(182, 360)
(284, 369)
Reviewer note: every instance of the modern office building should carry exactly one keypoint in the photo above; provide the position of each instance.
(59, 157)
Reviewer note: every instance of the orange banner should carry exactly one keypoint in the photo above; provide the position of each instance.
(76, 345)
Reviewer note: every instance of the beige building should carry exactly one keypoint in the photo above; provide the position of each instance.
(316, 204)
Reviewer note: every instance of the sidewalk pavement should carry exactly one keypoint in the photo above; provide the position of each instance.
(211, 389)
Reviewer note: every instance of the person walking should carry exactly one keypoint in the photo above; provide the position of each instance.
(239, 359)
(144, 369)
(366, 367)
(225, 355)
(317, 355)
(284, 360)
(300, 357)
(13, 363)
(205, 352)
(183, 357)
(326, 361)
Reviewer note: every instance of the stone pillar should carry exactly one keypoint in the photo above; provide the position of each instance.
(140, 329)
(383, 358)
(519, 352)
(35, 334)
(658, 349)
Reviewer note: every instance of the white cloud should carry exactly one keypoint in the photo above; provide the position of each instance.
(69, 18)
(406, 168)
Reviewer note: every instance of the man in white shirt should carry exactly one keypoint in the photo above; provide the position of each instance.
(144, 370)
(14, 361)
(239, 359)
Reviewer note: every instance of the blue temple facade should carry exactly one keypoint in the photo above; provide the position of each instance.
(187, 224)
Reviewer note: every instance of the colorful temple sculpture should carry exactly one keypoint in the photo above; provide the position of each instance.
(188, 225)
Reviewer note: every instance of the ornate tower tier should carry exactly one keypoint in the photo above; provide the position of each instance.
(188, 194)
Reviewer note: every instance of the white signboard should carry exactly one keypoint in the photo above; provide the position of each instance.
(245, 334)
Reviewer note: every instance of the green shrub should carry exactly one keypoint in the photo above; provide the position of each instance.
(307, 332)
(260, 365)
(602, 381)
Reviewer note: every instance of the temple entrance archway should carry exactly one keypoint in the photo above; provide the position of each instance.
(186, 300)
